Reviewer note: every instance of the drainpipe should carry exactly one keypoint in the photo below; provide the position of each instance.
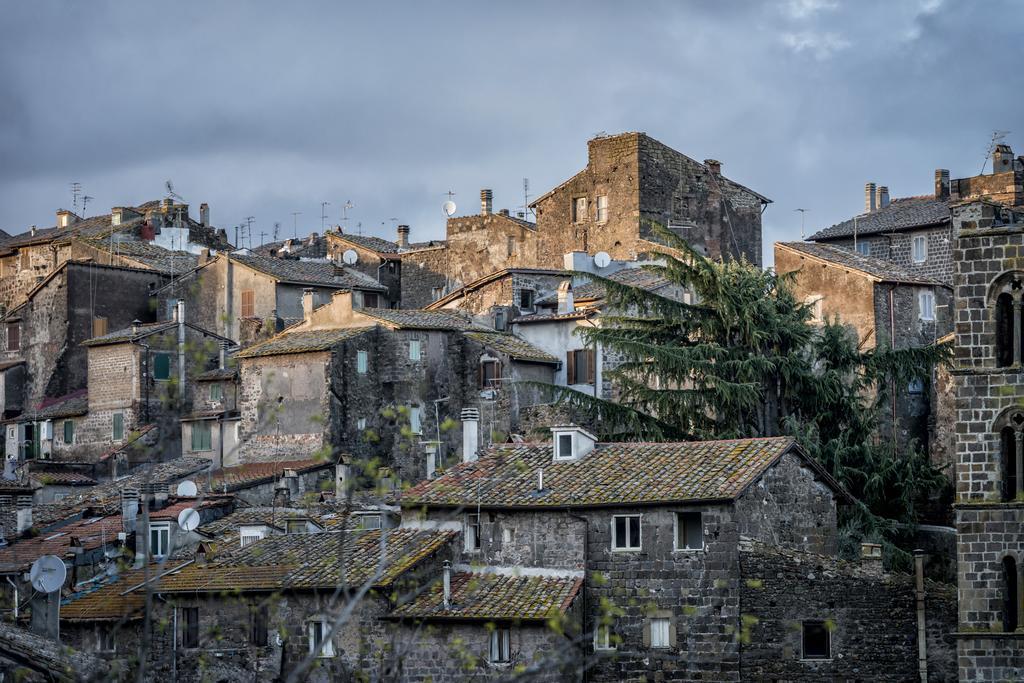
(922, 634)
(181, 350)
(14, 585)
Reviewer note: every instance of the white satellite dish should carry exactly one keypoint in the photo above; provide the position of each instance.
(449, 208)
(351, 257)
(188, 519)
(187, 489)
(48, 574)
(602, 259)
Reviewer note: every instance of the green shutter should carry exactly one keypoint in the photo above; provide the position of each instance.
(215, 392)
(118, 430)
(162, 366)
(201, 440)
(69, 431)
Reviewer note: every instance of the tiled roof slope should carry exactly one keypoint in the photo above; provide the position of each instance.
(322, 273)
(310, 561)
(301, 341)
(901, 214)
(488, 596)
(93, 226)
(103, 600)
(611, 474)
(71, 405)
(409, 319)
(90, 534)
(149, 255)
(635, 277)
(517, 348)
(130, 333)
(883, 270)
(383, 246)
(253, 473)
(62, 478)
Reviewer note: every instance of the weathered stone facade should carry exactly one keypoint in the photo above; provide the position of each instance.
(486, 243)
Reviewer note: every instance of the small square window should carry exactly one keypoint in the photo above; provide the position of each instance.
(190, 627)
(581, 367)
(500, 320)
(603, 637)
(319, 642)
(659, 632)
(526, 300)
(13, 337)
(202, 436)
(368, 522)
(689, 531)
(248, 303)
(564, 447)
(816, 640)
(362, 362)
(472, 532)
(602, 208)
(414, 349)
(490, 373)
(370, 300)
(626, 532)
(99, 326)
(864, 248)
(361, 423)
(216, 392)
(916, 386)
(117, 427)
(501, 641)
(415, 419)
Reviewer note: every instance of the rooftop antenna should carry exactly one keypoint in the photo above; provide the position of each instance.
(323, 215)
(803, 212)
(76, 188)
(248, 228)
(171, 194)
(295, 224)
(997, 137)
(277, 229)
(449, 206)
(85, 201)
(526, 197)
(359, 227)
(344, 211)
(262, 235)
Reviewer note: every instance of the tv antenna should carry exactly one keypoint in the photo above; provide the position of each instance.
(171, 194)
(295, 224)
(323, 215)
(344, 211)
(85, 201)
(76, 189)
(526, 197)
(803, 212)
(248, 228)
(997, 137)
(277, 229)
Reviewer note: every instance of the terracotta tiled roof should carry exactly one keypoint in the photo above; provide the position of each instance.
(846, 258)
(312, 246)
(71, 405)
(319, 273)
(143, 330)
(634, 277)
(488, 596)
(251, 474)
(90, 534)
(301, 341)
(387, 247)
(93, 226)
(143, 433)
(906, 213)
(243, 516)
(63, 478)
(578, 314)
(310, 561)
(217, 374)
(611, 474)
(409, 319)
(149, 255)
(514, 346)
(103, 600)
(172, 511)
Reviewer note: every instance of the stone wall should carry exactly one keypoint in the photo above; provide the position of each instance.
(486, 243)
(423, 272)
(897, 248)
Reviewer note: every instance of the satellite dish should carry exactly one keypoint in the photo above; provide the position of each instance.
(188, 519)
(351, 256)
(602, 259)
(187, 489)
(449, 208)
(48, 574)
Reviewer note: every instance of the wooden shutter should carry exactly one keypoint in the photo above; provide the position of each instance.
(570, 367)
(248, 303)
(99, 326)
(591, 366)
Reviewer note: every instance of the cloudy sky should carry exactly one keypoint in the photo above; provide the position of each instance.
(267, 108)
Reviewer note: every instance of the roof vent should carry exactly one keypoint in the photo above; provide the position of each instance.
(572, 442)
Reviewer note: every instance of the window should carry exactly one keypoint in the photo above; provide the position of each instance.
(159, 538)
(814, 303)
(916, 386)
(319, 642)
(248, 303)
(260, 619)
(171, 305)
(368, 522)
(926, 302)
(13, 337)
(490, 373)
(1004, 330)
(414, 349)
(920, 249)
(660, 632)
(361, 423)
(69, 432)
(472, 532)
(500, 320)
(580, 367)
(816, 639)
(161, 366)
(501, 641)
(689, 531)
(361, 362)
(1008, 457)
(249, 536)
(1011, 606)
(415, 426)
(626, 532)
(201, 436)
(526, 299)
(216, 392)
(370, 300)
(565, 451)
(603, 637)
(99, 326)
(864, 248)
(190, 627)
(579, 209)
(117, 427)
(602, 208)
(511, 246)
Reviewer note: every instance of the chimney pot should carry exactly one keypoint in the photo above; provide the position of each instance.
(403, 236)
(470, 438)
(540, 479)
(137, 322)
(883, 197)
(447, 584)
(869, 197)
(942, 183)
(714, 166)
(307, 302)
(204, 213)
(486, 199)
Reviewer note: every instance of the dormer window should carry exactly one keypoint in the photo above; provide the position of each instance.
(572, 442)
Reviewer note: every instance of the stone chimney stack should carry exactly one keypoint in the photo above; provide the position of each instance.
(882, 197)
(714, 166)
(470, 437)
(871, 558)
(403, 236)
(204, 213)
(869, 198)
(486, 201)
(566, 304)
(942, 183)
(307, 302)
(65, 218)
(1002, 159)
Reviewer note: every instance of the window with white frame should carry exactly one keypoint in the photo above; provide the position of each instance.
(926, 305)
(472, 534)
(626, 532)
(320, 643)
(814, 303)
(501, 645)
(579, 209)
(864, 248)
(564, 449)
(159, 539)
(689, 531)
(415, 419)
(660, 632)
(414, 349)
(920, 249)
(362, 362)
(251, 534)
(603, 637)
(602, 208)
(368, 522)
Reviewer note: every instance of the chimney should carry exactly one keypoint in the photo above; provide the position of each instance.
(942, 183)
(565, 299)
(486, 197)
(174, 313)
(32, 231)
(341, 474)
(403, 236)
(447, 583)
(137, 322)
(540, 479)
(869, 198)
(307, 302)
(470, 438)
(882, 197)
(65, 218)
(503, 212)
(129, 509)
(714, 166)
(223, 359)
(24, 514)
(204, 213)
(1002, 159)
(204, 255)
(871, 558)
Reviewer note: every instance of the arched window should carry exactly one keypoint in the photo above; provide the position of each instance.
(1008, 462)
(1005, 296)
(1011, 599)
(1004, 330)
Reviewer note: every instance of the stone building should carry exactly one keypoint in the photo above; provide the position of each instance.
(211, 429)
(631, 181)
(988, 383)
(885, 305)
